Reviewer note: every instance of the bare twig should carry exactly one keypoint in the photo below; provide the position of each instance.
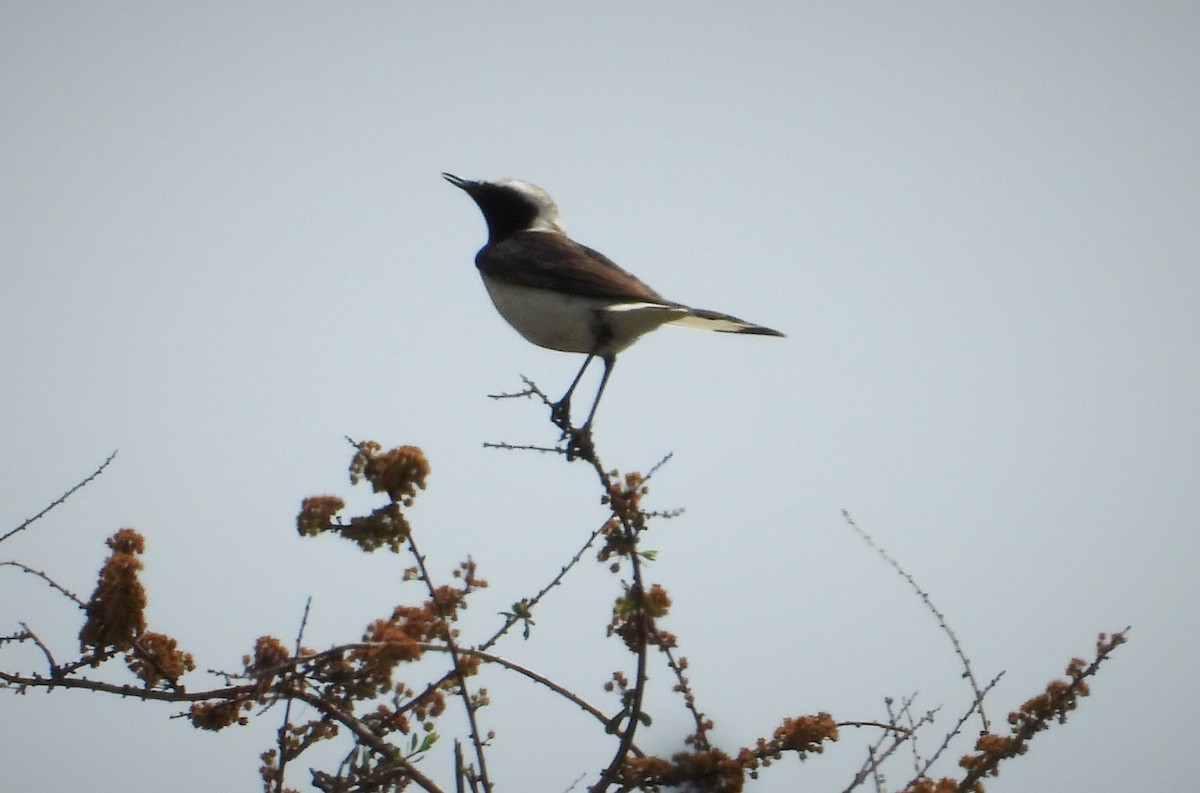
(281, 736)
(460, 770)
(60, 499)
(555, 581)
(531, 390)
(969, 674)
(950, 736)
(876, 753)
(666, 458)
(565, 693)
(229, 693)
(887, 727)
(57, 672)
(912, 745)
(50, 581)
(523, 447)
(33, 637)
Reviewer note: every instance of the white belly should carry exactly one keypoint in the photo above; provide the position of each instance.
(571, 323)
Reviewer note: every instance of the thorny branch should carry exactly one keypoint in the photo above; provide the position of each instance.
(29, 521)
(282, 732)
(48, 580)
(968, 673)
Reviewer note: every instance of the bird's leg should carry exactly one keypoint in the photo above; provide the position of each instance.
(609, 361)
(560, 411)
(579, 443)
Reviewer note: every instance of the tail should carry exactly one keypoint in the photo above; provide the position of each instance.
(723, 323)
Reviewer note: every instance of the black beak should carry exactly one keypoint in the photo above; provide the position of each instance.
(458, 181)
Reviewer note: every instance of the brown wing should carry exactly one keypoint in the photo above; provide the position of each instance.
(546, 260)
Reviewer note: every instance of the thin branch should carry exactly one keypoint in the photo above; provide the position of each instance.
(49, 581)
(689, 699)
(33, 637)
(455, 657)
(341, 649)
(580, 446)
(1060, 701)
(888, 727)
(666, 458)
(969, 674)
(916, 750)
(281, 737)
(125, 690)
(635, 711)
(531, 389)
(555, 581)
(362, 733)
(365, 736)
(900, 735)
(950, 736)
(634, 704)
(566, 693)
(60, 499)
(56, 672)
(522, 447)
(460, 769)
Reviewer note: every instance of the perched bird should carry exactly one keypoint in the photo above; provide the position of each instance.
(565, 296)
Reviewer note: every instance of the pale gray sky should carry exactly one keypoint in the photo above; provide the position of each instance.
(225, 245)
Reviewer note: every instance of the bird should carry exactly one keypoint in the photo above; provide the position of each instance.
(562, 295)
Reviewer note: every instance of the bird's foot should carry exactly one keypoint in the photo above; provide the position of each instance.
(560, 414)
(579, 443)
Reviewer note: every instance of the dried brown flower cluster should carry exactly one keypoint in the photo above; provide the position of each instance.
(398, 639)
(399, 473)
(802, 735)
(625, 498)
(713, 771)
(218, 714)
(709, 771)
(943, 785)
(116, 612)
(1037, 714)
(116, 619)
(264, 670)
(157, 660)
(345, 684)
(635, 618)
(317, 514)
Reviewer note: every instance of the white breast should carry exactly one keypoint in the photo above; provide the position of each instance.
(572, 323)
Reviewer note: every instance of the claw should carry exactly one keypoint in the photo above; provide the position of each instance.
(560, 414)
(579, 444)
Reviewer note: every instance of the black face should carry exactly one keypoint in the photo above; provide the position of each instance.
(506, 210)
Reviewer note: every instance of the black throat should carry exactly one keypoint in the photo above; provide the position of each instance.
(505, 210)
